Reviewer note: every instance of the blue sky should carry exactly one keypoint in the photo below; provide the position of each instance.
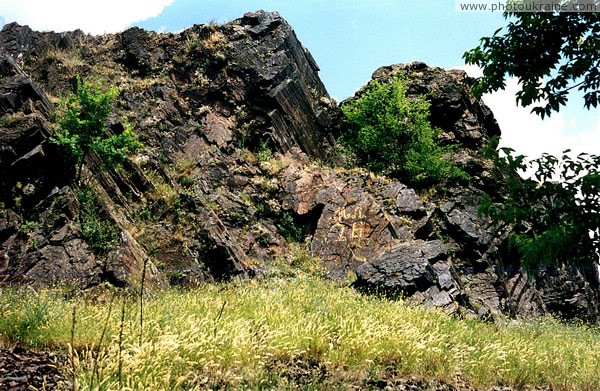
(349, 39)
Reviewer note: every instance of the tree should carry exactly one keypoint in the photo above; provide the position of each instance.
(83, 128)
(392, 134)
(556, 215)
(549, 53)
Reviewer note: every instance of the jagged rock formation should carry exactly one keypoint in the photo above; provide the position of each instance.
(202, 101)
(465, 262)
(233, 119)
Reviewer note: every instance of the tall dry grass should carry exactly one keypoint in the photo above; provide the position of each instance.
(302, 331)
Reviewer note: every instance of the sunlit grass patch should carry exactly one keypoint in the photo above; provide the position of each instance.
(304, 331)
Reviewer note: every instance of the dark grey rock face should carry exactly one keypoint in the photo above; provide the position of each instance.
(39, 234)
(282, 84)
(408, 267)
(478, 275)
(197, 99)
(232, 119)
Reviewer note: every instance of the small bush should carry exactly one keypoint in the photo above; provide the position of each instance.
(264, 152)
(99, 234)
(28, 227)
(83, 120)
(391, 134)
(186, 181)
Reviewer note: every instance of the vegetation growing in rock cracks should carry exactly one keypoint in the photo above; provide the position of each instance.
(390, 133)
(289, 228)
(300, 333)
(99, 233)
(83, 127)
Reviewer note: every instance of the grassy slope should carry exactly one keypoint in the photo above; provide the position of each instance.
(304, 330)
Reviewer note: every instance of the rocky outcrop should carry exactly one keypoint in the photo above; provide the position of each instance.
(198, 99)
(233, 119)
(476, 274)
(282, 77)
(39, 228)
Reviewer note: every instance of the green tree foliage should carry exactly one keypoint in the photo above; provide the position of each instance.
(391, 134)
(83, 127)
(549, 53)
(557, 215)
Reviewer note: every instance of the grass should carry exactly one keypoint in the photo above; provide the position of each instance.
(301, 332)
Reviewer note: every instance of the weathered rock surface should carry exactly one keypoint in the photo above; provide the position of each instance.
(232, 119)
(42, 244)
(408, 267)
(198, 98)
(478, 274)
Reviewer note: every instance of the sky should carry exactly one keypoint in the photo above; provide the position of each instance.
(349, 39)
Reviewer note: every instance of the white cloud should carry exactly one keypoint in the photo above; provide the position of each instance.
(94, 17)
(528, 134)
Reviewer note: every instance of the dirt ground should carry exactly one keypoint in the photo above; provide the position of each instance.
(22, 369)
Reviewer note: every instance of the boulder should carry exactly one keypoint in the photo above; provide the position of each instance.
(406, 269)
